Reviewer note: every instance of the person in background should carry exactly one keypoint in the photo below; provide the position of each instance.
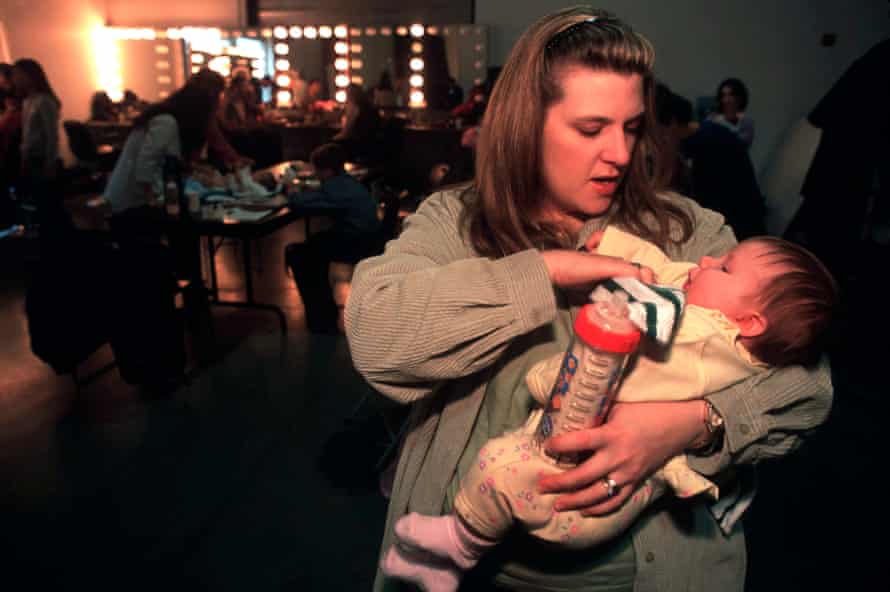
(349, 240)
(219, 147)
(241, 120)
(711, 165)
(485, 281)
(384, 96)
(40, 134)
(359, 124)
(239, 112)
(10, 139)
(471, 111)
(298, 86)
(102, 108)
(131, 105)
(175, 128)
(732, 100)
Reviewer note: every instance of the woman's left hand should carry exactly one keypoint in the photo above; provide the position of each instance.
(636, 440)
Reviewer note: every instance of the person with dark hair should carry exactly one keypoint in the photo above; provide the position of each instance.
(102, 108)
(358, 125)
(40, 161)
(10, 139)
(214, 84)
(732, 101)
(40, 125)
(175, 128)
(712, 166)
(485, 281)
(766, 303)
(239, 112)
(471, 111)
(349, 240)
(384, 95)
(240, 118)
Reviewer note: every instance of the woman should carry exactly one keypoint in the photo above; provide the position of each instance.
(40, 128)
(732, 100)
(239, 111)
(384, 96)
(102, 108)
(484, 282)
(359, 124)
(176, 128)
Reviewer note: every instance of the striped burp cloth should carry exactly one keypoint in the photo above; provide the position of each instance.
(656, 310)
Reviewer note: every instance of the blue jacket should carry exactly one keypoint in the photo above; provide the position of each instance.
(354, 210)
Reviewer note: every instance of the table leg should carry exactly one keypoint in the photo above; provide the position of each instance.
(211, 254)
(248, 270)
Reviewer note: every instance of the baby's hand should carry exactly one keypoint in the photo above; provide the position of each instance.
(594, 241)
(646, 275)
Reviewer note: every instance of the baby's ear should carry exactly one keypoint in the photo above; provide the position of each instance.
(751, 324)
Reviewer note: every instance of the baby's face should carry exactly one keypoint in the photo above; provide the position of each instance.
(732, 283)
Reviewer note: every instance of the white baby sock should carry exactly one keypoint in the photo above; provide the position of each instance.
(451, 549)
(432, 574)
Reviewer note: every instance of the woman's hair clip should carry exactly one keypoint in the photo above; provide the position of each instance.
(568, 31)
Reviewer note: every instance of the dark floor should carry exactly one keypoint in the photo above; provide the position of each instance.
(251, 477)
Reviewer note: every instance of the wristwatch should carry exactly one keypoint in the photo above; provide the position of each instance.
(713, 420)
(714, 426)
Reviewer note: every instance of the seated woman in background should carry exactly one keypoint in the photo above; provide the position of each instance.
(359, 124)
(241, 119)
(102, 108)
(732, 100)
(239, 111)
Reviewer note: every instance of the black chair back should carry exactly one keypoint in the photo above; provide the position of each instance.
(80, 141)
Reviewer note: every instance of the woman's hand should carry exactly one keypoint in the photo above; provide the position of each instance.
(636, 440)
(577, 270)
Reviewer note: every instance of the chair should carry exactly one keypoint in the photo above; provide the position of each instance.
(98, 158)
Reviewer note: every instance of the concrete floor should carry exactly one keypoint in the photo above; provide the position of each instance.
(251, 477)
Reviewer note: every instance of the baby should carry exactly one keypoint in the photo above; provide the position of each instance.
(767, 302)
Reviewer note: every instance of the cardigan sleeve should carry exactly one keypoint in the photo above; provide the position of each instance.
(429, 309)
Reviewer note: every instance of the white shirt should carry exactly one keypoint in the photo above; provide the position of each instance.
(142, 162)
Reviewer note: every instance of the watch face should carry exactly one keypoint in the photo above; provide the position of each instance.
(715, 420)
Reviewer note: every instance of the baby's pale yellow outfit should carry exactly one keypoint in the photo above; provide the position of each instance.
(705, 356)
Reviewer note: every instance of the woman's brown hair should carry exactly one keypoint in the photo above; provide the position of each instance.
(503, 208)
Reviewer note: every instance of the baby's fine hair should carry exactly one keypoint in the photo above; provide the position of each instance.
(799, 304)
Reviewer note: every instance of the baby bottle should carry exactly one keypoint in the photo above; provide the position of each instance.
(591, 369)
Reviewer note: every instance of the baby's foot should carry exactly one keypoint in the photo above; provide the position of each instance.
(443, 536)
(432, 574)
(541, 376)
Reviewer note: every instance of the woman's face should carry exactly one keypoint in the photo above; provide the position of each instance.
(21, 82)
(728, 100)
(589, 137)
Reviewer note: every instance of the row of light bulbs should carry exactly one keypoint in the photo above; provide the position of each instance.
(346, 60)
(109, 65)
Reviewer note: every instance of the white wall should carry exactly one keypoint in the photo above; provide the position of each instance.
(57, 33)
(774, 47)
(161, 13)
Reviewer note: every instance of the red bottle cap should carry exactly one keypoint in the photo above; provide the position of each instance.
(598, 336)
